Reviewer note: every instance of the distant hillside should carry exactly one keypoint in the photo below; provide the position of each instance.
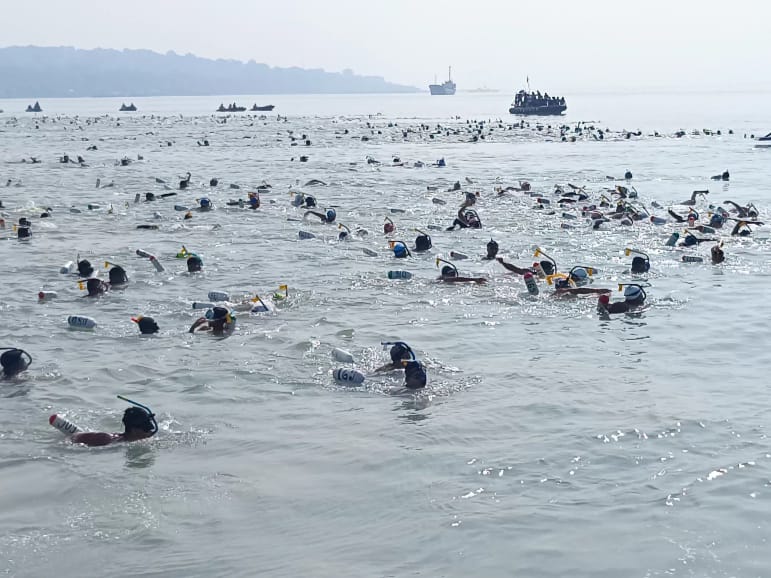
(43, 72)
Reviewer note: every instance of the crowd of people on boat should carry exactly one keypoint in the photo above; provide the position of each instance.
(523, 98)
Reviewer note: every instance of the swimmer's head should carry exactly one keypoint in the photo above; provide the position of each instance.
(718, 256)
(204, 203)
(310, 201)
(118, 275)
(194, 264)
(547, 267)
(94, 287)
(634, 294)
(147, 325)
(603, 299)
(449, 271)
(136, 418)
(579, 276)
(640, 265)
(13, 361)
(492, 249)
(24, 222)
(716, 220)
(22, 232)
(85, 269)
(422, 243)
(331, 215)
(149, 196)
(400, 351)
(388, 227)
(400, 250)
(414, 374)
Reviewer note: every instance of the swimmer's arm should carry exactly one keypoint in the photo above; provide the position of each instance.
(479, 280)
(92, 438)
(675, 216)
(512, 268)
(582, 291)
(387, 367)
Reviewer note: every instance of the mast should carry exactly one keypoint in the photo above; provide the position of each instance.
(449, 73)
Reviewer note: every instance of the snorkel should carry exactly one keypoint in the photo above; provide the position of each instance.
(449, 270)
(343, 234)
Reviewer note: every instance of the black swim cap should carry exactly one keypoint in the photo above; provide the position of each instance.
(138, 418)
(94, 286)
(13, 362)
(547, 267)
(640, 265)
(449, 271)
(194, 264)
(147, 326)
(84, 268)
(398, 352)
(414, 375)
(118, 275)
(422, 243)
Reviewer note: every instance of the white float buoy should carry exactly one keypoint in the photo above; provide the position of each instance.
(342, 355)
(81, 322)
(349, 376)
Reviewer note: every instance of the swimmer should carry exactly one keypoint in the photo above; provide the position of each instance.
(467, 218)
(96, 287)
(118, 276)
(718, 256)
(219, 321)
(742, 228)
(194, 264)
(327, 217)
(414, 374)
(388, 226)
(574, 284)
(690, 240)
(634, 296)
(692, 200)
(13, 361)
(254, 201)
(85, 269)
(139, 423)
(749, 211)
(147, 325)
(422, 242)
(450, 275)
(204, 204)
(492, 251)
(399, 352)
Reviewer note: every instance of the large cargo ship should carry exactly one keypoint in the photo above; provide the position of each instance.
(446, 88)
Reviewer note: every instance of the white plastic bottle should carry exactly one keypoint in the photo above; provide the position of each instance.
(64, 426)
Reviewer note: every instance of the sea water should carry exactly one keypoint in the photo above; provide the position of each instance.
(549, 442)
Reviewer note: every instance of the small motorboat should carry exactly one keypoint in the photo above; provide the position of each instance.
(35, 108)
(231, 108)
(764, 142)
(265, 108)
(129, 108)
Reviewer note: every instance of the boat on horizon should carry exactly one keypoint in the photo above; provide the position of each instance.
(447, 88)
(231, 108)
(537, 104)
(264, 108)
(482, 89)
(130, 108)
(35, 108)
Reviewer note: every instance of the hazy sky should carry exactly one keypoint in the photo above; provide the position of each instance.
(576, 45)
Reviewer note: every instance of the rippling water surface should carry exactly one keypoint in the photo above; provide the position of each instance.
(549, 442)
